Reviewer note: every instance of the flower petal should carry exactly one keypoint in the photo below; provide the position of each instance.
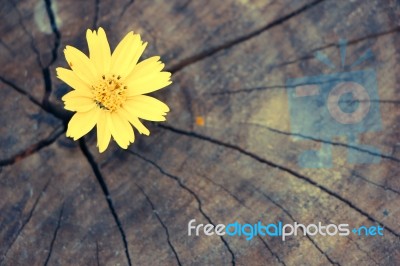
(81, 123)
(105, 49)
(103, 132)
(124, 55)
(99, 50)
(77, 94)
(124, 126)
(141, 47)
(135, 122)
(143, 110)
(79, 104)
(150, 65)
(121, 53)
(147, 83)
(120, 129)
(69, 77)
(152, 103)
(81, 65)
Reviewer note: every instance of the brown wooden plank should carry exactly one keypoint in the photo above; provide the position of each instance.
(226, 152)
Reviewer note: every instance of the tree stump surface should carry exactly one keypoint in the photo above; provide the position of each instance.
(226, 152)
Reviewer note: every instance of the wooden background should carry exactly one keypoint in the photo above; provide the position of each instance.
(63, 203)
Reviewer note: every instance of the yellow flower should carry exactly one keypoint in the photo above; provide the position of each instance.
(108, 89)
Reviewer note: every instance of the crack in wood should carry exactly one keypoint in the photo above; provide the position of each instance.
(247, 90)
(209, 52)
(310, 54)
(161, 222)
(54, 135)
(283, 168)
(281, 207)
(247, 207)
(294, 220)
(28, 33)
(261, 88)
(262, 240)
(8, 48)
(46, 70)
(97, 254)
(326, 142)
(357, 175)
(271, 87)
(331, 261)
(60, 113)
(99, 177)
(45, 104)
(125, 7)
(54, 28)
(364, 251)
(49, 108)
(96, 13)
(53, 240)
(285, 87)
(21, 91)
(184, 5)
(191, 192)
(271, 251)
(43, 191)
(47, 85)
(226, 190)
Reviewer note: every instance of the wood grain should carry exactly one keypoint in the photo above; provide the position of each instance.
(63, 203)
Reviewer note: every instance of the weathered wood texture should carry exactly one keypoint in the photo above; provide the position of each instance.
(63, 203)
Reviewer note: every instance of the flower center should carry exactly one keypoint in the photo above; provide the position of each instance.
(109, 92)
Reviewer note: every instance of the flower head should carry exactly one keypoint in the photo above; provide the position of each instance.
(108, 89)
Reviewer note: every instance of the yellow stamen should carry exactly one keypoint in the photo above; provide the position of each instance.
(109, 93)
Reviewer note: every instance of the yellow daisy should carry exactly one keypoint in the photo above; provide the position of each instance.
(108, 89)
